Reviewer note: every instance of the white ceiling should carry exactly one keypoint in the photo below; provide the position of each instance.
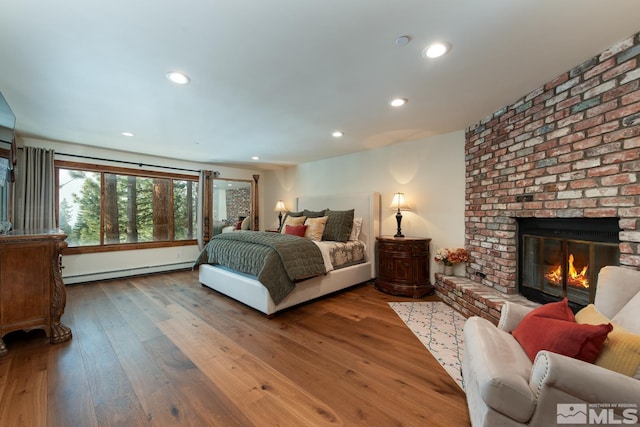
(275, 78)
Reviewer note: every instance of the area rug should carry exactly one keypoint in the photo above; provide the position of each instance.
(439, 328)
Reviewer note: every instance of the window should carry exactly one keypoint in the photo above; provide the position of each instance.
(112, 208)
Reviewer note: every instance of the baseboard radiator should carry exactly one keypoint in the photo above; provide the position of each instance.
(116, 274)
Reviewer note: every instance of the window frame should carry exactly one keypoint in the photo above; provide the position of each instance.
(102, 169)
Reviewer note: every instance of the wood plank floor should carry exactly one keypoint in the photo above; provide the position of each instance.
(162, 350)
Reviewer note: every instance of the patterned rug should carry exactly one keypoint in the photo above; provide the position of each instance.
(439, 328)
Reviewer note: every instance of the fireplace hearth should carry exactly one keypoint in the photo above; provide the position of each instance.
(561, 257)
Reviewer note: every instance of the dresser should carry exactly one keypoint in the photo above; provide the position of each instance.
(403, 266)
(32, 294)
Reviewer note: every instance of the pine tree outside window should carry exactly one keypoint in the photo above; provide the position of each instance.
(107, 207)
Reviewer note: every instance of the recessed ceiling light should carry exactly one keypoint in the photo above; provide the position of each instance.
(337, 134)
(398, 102)
(436, 50)
(255, 158)
(403, 40)
(126, 133)
(178, 78)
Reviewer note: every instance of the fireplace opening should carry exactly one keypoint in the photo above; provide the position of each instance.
(561, 257)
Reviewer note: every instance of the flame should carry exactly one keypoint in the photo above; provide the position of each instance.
(580, 280)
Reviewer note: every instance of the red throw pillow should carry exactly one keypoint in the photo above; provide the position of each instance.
(238, 225)
(553, 327)
(555, 310)
(295, 230)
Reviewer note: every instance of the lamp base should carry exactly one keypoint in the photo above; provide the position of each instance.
(399, 220)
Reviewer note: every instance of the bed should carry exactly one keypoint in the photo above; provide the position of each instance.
(248, 290)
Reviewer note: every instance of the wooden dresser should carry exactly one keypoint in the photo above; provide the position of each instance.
(32, 294)
(403, 266)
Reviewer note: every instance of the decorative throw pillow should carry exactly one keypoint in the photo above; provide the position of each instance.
(338, 226)
(315, 228)
(555, 310)
(246, 224)
(621, 350)
(313, 214)
(287, 215)
(356, 229)
(292, 220)
(295, 230)
(552, 327)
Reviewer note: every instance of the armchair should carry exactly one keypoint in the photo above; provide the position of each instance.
(503, 386)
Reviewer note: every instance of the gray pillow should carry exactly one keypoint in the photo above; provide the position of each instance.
(339, 224)
(313, 214)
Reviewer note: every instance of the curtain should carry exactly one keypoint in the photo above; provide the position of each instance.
(35, 199)
(203, 218)
(255, 201)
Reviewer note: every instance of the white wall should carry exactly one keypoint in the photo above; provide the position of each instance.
(96, 266)
(431, 173)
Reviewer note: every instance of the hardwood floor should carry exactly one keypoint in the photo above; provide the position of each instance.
(163, 350)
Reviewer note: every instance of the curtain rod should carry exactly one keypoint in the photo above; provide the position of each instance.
(123, 161)
(127, 162)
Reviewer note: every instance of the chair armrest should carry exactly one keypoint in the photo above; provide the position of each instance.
(511, 314)
(582, 380)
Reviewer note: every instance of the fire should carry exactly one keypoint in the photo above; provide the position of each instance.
(574, 278)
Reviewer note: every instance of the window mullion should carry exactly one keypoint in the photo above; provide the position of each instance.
(102, 208)
(172, 212)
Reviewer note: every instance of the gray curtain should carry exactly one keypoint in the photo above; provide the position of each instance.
(35, 198)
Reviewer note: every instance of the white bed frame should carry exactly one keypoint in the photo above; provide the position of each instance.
(248, 290)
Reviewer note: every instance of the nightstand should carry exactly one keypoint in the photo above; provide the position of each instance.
(403, 266)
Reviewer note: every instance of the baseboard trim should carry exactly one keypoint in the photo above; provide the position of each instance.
(117, 274)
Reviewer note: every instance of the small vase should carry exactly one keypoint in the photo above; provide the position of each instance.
(448, 270)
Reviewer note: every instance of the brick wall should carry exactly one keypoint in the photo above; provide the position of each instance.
(570, 148)
(238, 203)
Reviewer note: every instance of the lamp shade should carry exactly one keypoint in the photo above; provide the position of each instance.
(399, 202)
(280, 206)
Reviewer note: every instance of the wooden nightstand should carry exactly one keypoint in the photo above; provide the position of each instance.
(403, 266)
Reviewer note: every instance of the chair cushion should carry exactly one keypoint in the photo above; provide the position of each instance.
(552, 327)
(621, 350)
(500, 367)
(628, 317)
(617, 286)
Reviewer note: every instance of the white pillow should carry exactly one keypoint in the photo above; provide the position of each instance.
(355, 230)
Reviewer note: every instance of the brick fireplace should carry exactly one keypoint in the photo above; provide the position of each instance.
(568, 149)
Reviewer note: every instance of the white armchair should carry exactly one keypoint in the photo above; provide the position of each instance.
(504, 388)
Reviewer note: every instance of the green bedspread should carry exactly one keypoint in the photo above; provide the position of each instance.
(277, 260)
